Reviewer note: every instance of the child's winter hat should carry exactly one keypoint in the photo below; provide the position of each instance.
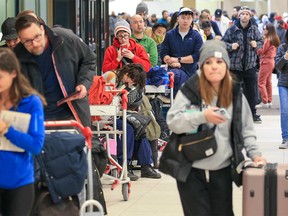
(122, 25)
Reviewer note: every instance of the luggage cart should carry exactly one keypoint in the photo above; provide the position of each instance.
(119, 174)
(86, 131)
(162, 89)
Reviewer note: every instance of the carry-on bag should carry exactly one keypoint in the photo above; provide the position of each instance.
(265, 190)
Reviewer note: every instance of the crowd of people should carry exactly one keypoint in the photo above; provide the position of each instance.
(212, 57)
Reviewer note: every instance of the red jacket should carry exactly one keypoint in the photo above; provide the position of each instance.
(267, 52)
(110, 56)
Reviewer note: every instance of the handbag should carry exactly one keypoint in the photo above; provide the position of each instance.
(44, 206)
(199, 145)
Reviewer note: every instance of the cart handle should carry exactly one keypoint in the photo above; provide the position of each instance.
(86, 131)
(171, 75)
(124, 96)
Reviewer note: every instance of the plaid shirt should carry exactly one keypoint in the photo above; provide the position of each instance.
(235, 35)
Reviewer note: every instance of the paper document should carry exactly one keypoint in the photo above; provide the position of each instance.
(19, 121)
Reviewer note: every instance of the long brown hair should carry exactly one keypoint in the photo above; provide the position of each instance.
(20, 86)
(272, 35)
(225, 93)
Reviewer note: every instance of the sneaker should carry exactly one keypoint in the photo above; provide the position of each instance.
(132, 176)
(148, 172)
(284, 144)
(257, 119)
(270, 105)
(262, 106)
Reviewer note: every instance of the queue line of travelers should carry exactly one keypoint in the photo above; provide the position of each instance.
(40, 49)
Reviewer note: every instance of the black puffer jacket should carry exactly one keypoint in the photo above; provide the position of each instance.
(73, 61)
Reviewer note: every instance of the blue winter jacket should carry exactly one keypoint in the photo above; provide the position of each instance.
(174, 46)
(16, 168)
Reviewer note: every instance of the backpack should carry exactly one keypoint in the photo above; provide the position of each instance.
(153, 129)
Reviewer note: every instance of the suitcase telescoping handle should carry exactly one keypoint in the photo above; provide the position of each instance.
(86, 131)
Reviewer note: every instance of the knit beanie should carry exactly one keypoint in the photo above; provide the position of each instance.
(213, 48)
(245, 9)
(142, 8)
(122, 25)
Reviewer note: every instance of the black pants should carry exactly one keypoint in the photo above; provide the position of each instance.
(17, 202)
(249, 84)
(202, 198)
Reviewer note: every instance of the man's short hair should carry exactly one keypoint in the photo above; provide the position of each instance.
(164, 12)
(237, 8)
(205, 11)
(157, 25)
(206, 24)
(25, 21)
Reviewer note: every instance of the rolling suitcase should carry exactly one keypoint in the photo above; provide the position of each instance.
(265, 190)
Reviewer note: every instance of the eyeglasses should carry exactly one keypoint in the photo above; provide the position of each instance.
(123, 36)
(29, 42)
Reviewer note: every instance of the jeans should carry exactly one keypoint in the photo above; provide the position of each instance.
(283, 95)
(141, 148)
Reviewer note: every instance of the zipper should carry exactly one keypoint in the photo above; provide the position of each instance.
(194, 142)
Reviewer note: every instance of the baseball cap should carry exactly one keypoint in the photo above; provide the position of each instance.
(185, 10)
(218, 13)
(8, 29)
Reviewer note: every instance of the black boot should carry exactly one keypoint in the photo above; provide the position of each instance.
(148, 172)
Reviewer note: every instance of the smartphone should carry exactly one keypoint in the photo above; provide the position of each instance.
(223, 112)
(123, 46)
(70, 97)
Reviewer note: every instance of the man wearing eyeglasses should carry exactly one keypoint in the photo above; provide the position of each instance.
(57, 63)
(243, 39)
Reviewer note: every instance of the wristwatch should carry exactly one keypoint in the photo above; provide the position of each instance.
(179, 59)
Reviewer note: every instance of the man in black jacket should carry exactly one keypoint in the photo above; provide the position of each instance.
(57, 63)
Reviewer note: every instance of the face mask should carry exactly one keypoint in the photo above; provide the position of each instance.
(159, 39)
